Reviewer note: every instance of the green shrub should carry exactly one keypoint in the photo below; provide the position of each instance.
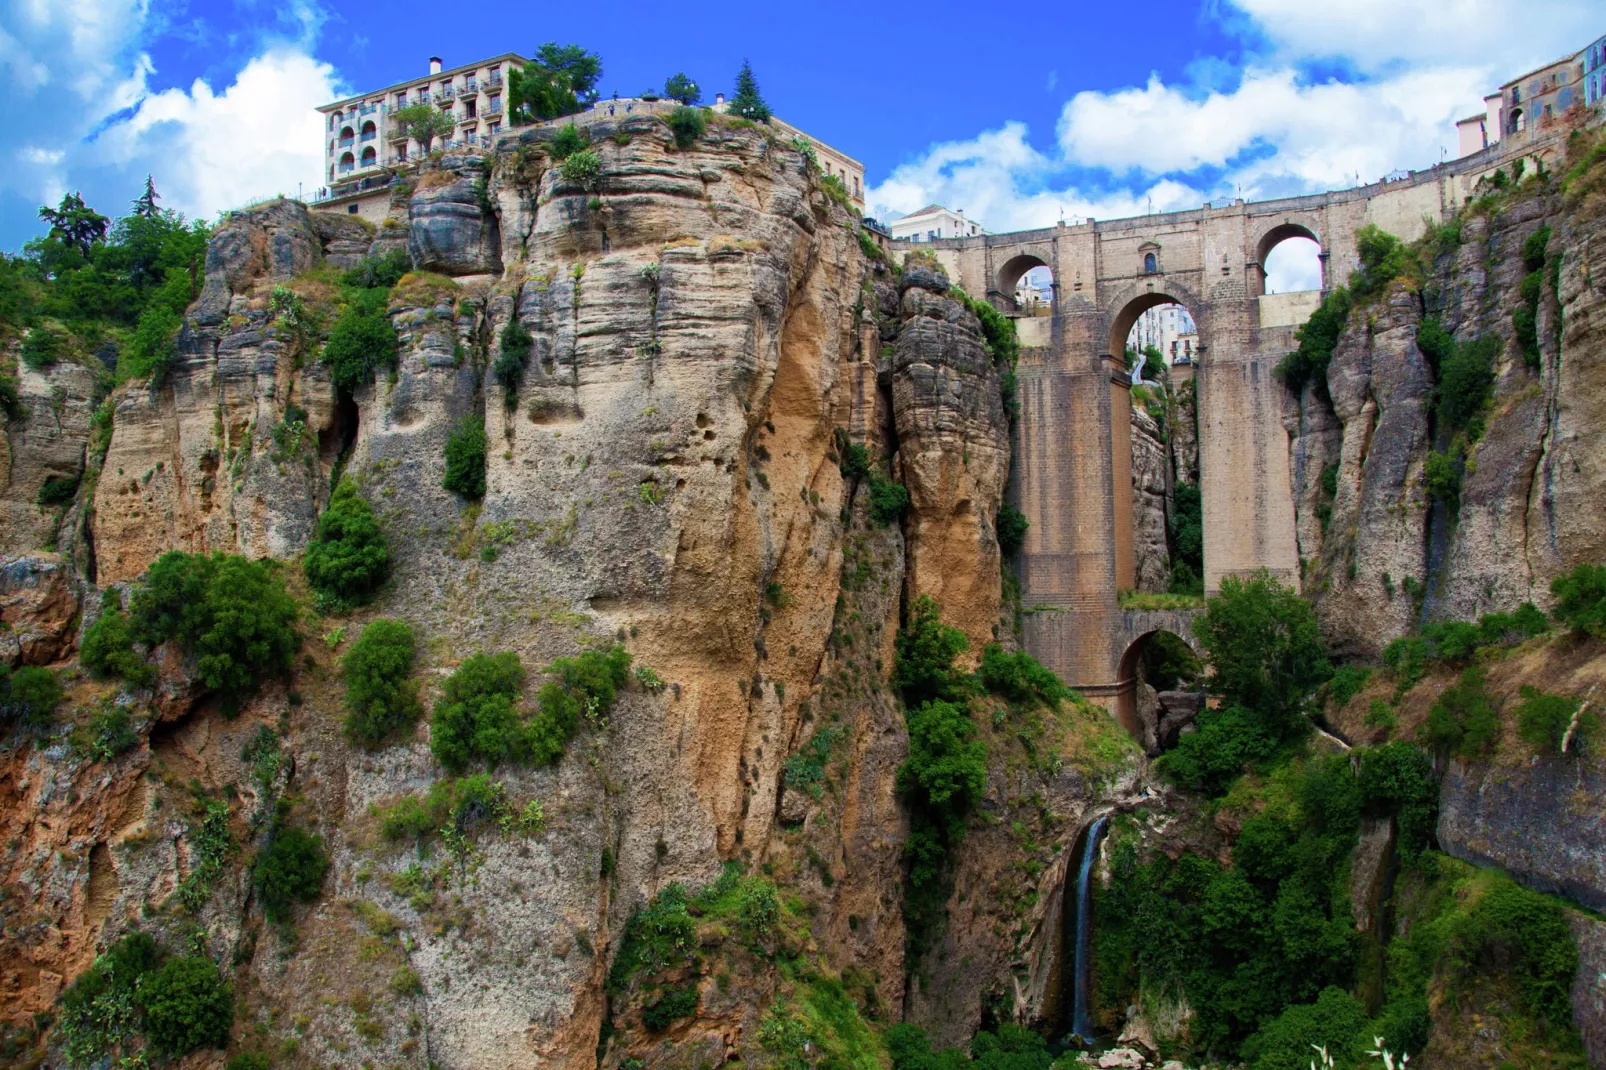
(1262, 640)
(515, 353)
(1185, 529)
(465, 458)
(1334, 1021)
(672, 1005)
(231, 614)
(855, 461)
(29, 695)
(1441, 477)
(805, 770)
(1011, 527)
(348, 559)
(380, 694)
(1452, 640)
(379, 272)
(108, 647)
(1463, 720)
(1513, 932)
(688, 125)
(1581, 599)
(42, 347)
(109, 733)
(186, 1004)
(946, 770)
(1543, 719)
(583, 169)
(249, 1060)
(360, 343)
(290, 869)
(1347, 682)
(1466, 378)
(569, 140)
(475, 719)
(1397, 778)
(98, 1016)
(10, 402)
(889, 500)
(925, 652)
(586, 686)
(58, 490)
(154, 347)
(1020, 677)
(1228, 741)
(1317, 337)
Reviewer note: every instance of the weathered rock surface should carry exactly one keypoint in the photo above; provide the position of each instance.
(47, 443)
(1150, 495)
(38, 608)
(449, 231)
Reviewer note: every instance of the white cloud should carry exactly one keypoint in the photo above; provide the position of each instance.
(1378, 34)
(259, 136)
(1263, 130)
(81, 113)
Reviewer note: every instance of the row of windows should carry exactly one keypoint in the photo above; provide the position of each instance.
(443, 91)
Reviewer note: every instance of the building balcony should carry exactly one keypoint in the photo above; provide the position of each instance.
(347, 142)
(468, 120)
(367, 135)
(346, 168)
(423, 96)
(471, 86)
(447, 92)
(367, 109)
(494, 81)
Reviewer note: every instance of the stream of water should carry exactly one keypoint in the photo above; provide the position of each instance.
(1081, 1023)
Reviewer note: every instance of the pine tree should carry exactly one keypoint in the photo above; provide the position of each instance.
(76, 223)
(747, 103)
(145, 204)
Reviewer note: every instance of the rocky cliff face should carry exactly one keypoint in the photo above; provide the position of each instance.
(707, 335)
(1151, 491)
(1529, 501)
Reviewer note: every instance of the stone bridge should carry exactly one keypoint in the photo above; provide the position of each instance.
(1073, 463)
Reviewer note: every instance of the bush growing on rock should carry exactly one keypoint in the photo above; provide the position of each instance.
(130, 999)
(232, 615)
(1020, 677)
(379, 692)
(1581, 599)
(586, 687)
(1543, 720)
(1463, 720)
(465, 458)
(687, 124)
(348, 559)
(378, 272)
(509, 365)
(360, 343)
(583, 169)
(29, 695)
(289, 870)
(476, 718)
(1011, 527)
(108, 647)
(925, 652)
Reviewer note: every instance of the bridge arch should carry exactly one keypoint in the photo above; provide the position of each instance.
(1164, 648)
(1286, 231)
(1014, 269)
(1134, 300)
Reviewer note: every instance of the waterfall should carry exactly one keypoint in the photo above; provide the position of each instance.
(1081, 1024)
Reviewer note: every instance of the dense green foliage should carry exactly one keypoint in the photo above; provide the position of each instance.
(1011, 526)
(583, 169)
(133, 999)
(1581, 599)
(348, 559)
(805, 770)
(1463, 719)
(378, 272)
(1544, 719)
(687, 124)
(289, 870)
(108, 647)
(1317, 337)
(1185, 532)
(560, 80)
(28, 695)
(679, 86)
(1525, 317)
(746, 102)
(232, 615)
(361, 342)
(1455, 642)
(477, 718)
(1010, 1047)
(380, 692)
(889, 500)
(514, 354)
(1397, 778)
(424, 123)
(926, 648)
(1019, 677)
(465, 458)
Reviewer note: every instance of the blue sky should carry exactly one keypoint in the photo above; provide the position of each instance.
(1021, 114)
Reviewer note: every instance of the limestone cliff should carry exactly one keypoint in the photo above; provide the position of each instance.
(707, 336)
(1381, 552)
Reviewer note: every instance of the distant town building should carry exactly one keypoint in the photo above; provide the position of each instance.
(1534, 103)
(1034, 293)
(1168, 328)
(934, 221)
(1595, 73)
(361, 136)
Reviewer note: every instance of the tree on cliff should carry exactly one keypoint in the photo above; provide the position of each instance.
(561, 80)
(747, 103)
(423, 123)
(680, 87)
